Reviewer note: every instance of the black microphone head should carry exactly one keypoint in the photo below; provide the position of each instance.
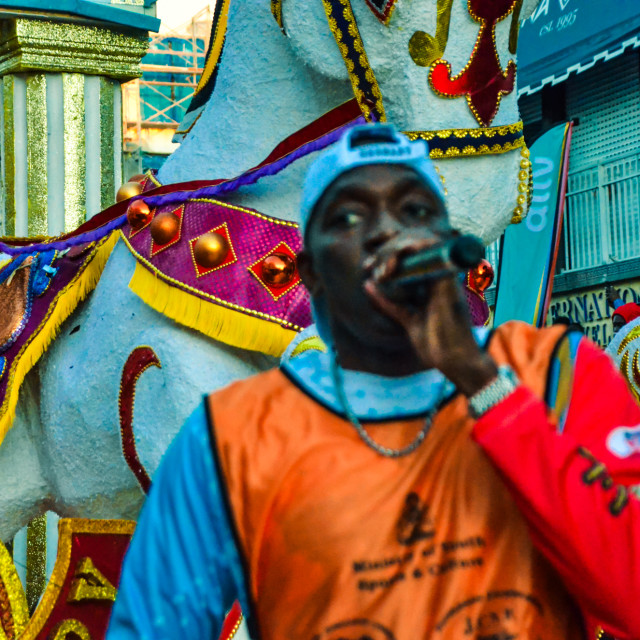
(466, 251)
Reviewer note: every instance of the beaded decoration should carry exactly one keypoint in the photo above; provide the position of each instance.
(456, 143)
(525, 187)
(630, 360)
(343, 25)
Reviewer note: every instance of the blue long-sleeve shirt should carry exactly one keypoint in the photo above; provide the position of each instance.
(183, 570)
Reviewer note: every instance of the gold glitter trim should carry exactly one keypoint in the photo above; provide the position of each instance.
(36, 559)
(220, 301)
(38, 239)
(364, 61)
(89, 583)
(284, 290)
(17, 600)
(66, 529)
(215, 47)
(37, 145)
(514, 30)
(221, 266)
(424, 49)
(107, 140)
(70, 628)
(74, 151)
(8, 155)
(66, 47)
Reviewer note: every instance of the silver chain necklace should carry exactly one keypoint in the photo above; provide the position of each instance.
(338, 382)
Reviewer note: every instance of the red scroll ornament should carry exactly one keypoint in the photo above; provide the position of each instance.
(482, 81)
(139, 360)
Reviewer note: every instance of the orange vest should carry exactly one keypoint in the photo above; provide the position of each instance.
(342, 543)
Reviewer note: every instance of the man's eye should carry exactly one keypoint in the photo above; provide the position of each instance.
(346, 219)
(417, 211)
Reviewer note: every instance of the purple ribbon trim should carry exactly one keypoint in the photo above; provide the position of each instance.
(253, 175)
(178, 197)
(90, 236)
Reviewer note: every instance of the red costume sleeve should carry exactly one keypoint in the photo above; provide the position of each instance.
(574, 491)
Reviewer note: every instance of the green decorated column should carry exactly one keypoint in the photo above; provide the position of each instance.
(61, 111)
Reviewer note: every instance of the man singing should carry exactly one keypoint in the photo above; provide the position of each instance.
(407, 476)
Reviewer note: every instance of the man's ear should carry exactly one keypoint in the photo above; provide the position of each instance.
(307, 273)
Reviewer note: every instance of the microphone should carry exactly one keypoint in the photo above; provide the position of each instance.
(417, 269)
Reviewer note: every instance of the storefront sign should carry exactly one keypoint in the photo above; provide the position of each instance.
(562, 35)
(589, 308)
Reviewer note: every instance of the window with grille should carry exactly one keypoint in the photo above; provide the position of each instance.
(602, 218)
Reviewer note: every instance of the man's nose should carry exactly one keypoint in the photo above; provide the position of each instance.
(385, 229)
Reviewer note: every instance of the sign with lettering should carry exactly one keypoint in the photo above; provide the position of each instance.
(534, 243)
(588, 307)
(563, 33)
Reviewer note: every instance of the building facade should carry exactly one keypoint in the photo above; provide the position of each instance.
(155, 104)
(580, 62)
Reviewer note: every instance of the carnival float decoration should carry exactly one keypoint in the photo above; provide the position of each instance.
(624, 349)
(189, 281)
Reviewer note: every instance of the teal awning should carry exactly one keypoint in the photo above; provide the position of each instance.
(85, 9)
(570, 36)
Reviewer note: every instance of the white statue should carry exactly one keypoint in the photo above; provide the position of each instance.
(63, 452)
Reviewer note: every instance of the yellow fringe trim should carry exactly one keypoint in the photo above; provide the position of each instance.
(62, 307)
(220, 323)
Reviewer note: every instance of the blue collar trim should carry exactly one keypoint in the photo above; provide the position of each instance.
(371, 397)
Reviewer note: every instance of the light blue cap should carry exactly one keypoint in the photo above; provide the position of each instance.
(384, 145)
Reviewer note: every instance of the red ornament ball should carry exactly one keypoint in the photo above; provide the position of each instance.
(128, 190)
(278, 269)
(164, 227)
(138, 214)
(210, 250)
(481, 278)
